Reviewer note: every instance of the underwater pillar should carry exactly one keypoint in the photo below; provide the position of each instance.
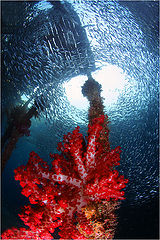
(18, 127)
(92, 91)
(105, 219)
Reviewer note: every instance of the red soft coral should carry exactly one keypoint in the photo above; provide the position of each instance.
(82, 174)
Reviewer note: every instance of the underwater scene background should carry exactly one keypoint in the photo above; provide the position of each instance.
(48, 49)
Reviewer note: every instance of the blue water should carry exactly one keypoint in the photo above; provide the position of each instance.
(118, 33)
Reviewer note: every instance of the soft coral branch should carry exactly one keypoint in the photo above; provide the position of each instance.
(82, 175)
